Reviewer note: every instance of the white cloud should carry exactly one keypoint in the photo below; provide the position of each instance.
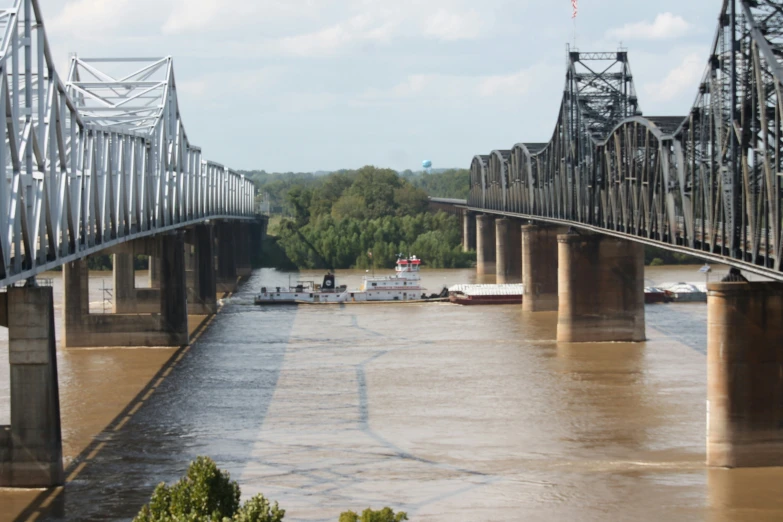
(99, 19)
(360, 28)
(514, 84)
(445, 87)
(447, 24)
(680, 80)
(198, 16)
(666, 26)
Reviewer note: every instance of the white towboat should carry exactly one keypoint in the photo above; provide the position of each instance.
(404, 285)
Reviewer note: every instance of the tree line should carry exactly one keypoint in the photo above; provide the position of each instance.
(360, 219)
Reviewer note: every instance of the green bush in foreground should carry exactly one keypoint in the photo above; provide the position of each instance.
(368, 515)
(206, 494)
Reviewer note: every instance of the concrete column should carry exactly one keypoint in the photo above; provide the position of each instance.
(126, 298)
(485, 244)
(226, 253)
(745, 374)
(31, 448)
(508, 253)
(539, 268)
(468, 231)
(124, 275)
(242, 238)
(600, 289)
(202, 289)
(76, 301)
(154, 266)
(173, 288)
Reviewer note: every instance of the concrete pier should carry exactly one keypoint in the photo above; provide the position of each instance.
(154, 267)
(227, 257)
(600, 289)
(508, 253)
(745, 374)
(200, 270)
(126, 298)
(166, 328)
(31, 447)
(468, 231)
(539, 268)
(242, 238)
(485, 244)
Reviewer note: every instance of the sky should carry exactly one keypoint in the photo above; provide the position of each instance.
(305, 85)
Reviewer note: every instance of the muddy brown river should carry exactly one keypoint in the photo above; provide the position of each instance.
(450, 413)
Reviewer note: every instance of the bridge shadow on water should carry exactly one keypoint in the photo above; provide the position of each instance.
(668, 319)
(210, 398)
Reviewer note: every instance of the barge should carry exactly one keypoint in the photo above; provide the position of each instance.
(486, 294)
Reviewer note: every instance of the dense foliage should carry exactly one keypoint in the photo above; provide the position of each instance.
(365, 218)
(369, 515)
(206, 494)
(453, 183)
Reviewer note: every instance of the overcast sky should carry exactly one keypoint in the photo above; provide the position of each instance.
(303, 85)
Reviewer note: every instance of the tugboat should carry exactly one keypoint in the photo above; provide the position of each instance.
(404, 285)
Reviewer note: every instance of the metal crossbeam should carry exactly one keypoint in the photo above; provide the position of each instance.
(708, 183)
(100, 159)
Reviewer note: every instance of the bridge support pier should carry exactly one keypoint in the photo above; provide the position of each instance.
(227, 258)
(485, 244)
(539, 268)
(127, 299)
(508, 254)
(31, 447)
(468, 231)
(200, 270)
(745, 374)
(600, 289)
(169, 327)
(242, 237)
(154, 267)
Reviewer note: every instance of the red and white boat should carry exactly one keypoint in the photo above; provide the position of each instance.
(404, 285)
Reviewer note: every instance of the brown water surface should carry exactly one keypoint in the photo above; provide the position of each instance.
(450, 413)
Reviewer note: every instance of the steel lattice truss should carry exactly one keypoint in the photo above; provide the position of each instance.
(100, 159)
(708, 183)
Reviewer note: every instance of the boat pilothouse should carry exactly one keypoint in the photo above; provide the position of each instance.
(404, 285)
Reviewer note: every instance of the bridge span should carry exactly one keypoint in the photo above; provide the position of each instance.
(99, 162)
(569, 216)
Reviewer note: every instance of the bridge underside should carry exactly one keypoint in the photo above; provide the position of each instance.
(184, 283)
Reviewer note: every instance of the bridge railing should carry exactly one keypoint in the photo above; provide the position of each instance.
(99, 159)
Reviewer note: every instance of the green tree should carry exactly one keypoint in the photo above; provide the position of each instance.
(327, 194)
(299, 198)
(351, 206)
(368, 515)
(206, 494)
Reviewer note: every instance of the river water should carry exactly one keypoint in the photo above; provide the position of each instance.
(450, 413)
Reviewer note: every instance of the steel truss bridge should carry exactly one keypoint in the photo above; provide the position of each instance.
(95, 160)
(707, 184)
